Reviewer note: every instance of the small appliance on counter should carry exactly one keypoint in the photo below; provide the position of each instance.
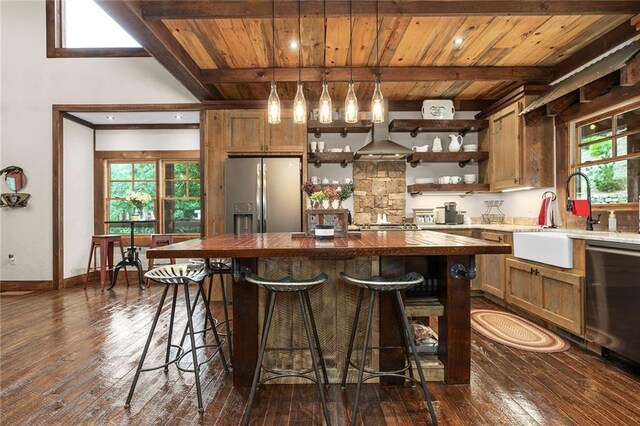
(424, 216)
(450, 214)
(440, 219)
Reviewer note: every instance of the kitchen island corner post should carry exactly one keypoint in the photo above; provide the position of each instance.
(245, 311)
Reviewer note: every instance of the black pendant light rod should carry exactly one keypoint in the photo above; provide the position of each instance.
(351, 39)
(299, 47)
(377, 31)
(324, 57)
(273, 39)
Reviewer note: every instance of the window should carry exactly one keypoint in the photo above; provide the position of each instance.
(82, 28)
(608, 152)
(176, 205)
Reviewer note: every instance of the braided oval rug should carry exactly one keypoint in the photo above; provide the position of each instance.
(516, 332)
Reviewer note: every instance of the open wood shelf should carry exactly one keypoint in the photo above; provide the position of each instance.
(338, 126)
(342, 158)
(457, 187)
(447, 157)
(415, 126)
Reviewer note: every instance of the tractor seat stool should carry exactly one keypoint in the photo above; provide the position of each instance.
(158, 240)
(220, 267)
(105, 243)
(378, 285)
(175, 276)
(301, 288)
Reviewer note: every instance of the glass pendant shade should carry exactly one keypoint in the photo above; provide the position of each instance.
(299, 106)
(325, 108)
(273, 116)
(351, 105)
(377, 104)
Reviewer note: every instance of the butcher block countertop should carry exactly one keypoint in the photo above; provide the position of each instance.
(382, 243)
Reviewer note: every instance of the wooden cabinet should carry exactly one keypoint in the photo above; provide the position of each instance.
(248, 132)
(520, 155)
(553, 294)
(491, 267)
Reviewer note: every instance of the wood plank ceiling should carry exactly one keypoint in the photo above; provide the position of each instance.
(531, 44)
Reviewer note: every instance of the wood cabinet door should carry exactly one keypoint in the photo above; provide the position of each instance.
(562, 299)
(523, 287)
(286, 137)
(493, 278)
(244, 131)
(506, 139)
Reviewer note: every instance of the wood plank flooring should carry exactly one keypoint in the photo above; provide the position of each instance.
(68, 357)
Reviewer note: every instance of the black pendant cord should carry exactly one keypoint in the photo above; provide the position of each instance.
(273, 39)
(377, 32)
(324, 57)
(299, 47)
(351, 40)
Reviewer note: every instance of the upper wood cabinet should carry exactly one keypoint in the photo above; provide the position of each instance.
(248, 132)
(520, 155)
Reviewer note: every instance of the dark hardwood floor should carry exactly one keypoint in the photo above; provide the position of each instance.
(68, 357)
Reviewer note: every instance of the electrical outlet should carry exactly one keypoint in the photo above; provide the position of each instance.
(12, 260)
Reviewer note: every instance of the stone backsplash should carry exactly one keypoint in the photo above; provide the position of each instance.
(379, 187)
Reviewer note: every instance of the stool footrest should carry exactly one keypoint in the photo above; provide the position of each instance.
(209, 358)
(177, 358)
(282, 374)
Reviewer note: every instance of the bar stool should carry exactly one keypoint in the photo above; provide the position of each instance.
(301, 288)
(158, 240)
(220, 267)
(176, 275)
(377, 285)
(106, 244)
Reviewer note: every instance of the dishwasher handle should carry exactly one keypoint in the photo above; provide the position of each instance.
(614, 251)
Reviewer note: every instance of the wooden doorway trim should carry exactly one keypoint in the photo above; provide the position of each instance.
(60, 112)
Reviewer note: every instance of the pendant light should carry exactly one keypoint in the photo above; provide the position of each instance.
(325, 109)
(273, 104)
(351, 101)
(377, 101)
(299, 102)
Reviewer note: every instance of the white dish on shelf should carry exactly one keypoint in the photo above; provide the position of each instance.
(470, 148)
(425, 180)
(335, 149)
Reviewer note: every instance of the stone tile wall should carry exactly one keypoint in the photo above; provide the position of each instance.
(379, 187)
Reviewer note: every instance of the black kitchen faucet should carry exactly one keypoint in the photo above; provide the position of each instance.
(590, 220)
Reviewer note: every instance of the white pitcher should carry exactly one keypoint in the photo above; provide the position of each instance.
(456, 143)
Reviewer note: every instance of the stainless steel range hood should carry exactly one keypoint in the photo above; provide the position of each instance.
(381, 146)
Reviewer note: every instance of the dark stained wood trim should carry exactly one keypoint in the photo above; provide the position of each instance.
(556, 106)
(245, 306)
(78, 120)
(52, 22)
(617, 95)
(533, 117)
(189, 9)
(203, 174)
(593, 90)
(128, 107)
(427, 73)
(613, 38)
(518, 93)
(158, 40)
(630, 73)
(58, 198)
(26, 285)
(167, 126)
(148, 155)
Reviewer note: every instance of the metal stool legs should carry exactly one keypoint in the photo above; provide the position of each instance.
(363, 357)
(196, 366)
(224, 310)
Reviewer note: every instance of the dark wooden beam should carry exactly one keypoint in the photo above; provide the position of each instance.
(617, 95)
(429, 73)
(533, 117)
(591, 91)
(205, 9)
(621, 34)
(161, 44)
(157, 126)
(630, 74)
(394, 104)
(556, 106)
(518, 93)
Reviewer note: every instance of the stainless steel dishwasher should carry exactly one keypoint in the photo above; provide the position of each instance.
(613, 297)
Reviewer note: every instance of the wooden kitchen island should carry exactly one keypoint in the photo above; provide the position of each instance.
(385, 253)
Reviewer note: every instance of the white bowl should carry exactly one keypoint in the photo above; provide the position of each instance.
(425, 180)
(470, 148)
(335, 150)
(469, 182)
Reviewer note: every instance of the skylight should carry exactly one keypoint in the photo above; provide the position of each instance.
(86, 25)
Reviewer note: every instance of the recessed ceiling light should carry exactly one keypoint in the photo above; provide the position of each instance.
(110, 117)
(293, 44)
(178, 117)
(593, 127)
(458, 41)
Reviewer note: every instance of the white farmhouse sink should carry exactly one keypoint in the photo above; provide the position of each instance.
(552, 248)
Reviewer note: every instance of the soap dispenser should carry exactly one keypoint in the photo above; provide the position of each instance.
(613, 222)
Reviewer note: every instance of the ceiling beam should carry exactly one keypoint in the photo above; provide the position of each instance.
(593, 90)
(160, 43)
(206, 9)
(429, 73)
(619, 35)
(630, 74)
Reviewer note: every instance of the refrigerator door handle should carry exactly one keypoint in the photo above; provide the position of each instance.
(264, 198)
(259, 195)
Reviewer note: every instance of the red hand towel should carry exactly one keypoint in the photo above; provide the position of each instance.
(580, 208)
(542, 216)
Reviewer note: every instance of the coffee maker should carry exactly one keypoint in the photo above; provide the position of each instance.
(450, 214)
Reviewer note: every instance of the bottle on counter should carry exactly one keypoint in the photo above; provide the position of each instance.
(613, 222)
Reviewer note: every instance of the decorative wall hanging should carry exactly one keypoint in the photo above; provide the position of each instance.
(15, 179)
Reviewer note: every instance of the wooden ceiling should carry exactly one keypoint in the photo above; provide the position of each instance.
(224, 49)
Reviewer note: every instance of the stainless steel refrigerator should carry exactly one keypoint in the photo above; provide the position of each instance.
(262, 194)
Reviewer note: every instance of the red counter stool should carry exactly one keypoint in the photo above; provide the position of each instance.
(158, 240)
(105, 243)
(376, 285)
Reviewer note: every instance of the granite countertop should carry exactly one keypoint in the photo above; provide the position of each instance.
(580, 234)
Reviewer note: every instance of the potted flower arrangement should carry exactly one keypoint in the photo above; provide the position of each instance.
(317, 198)
(344, 193)
(138, 200)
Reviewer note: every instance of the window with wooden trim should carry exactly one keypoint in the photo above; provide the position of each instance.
(181, 197)
(607, 150)
(123, 178)
(80, 28)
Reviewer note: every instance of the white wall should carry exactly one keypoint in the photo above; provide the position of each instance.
(148, 140)
(78, 196)
(30, 85)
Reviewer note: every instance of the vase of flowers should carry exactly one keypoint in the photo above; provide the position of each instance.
(317, 198)
(138, 200)
(344, 192)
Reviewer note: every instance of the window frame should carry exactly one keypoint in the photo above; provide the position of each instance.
(54, 30)
(576, 146)
(163, 189)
